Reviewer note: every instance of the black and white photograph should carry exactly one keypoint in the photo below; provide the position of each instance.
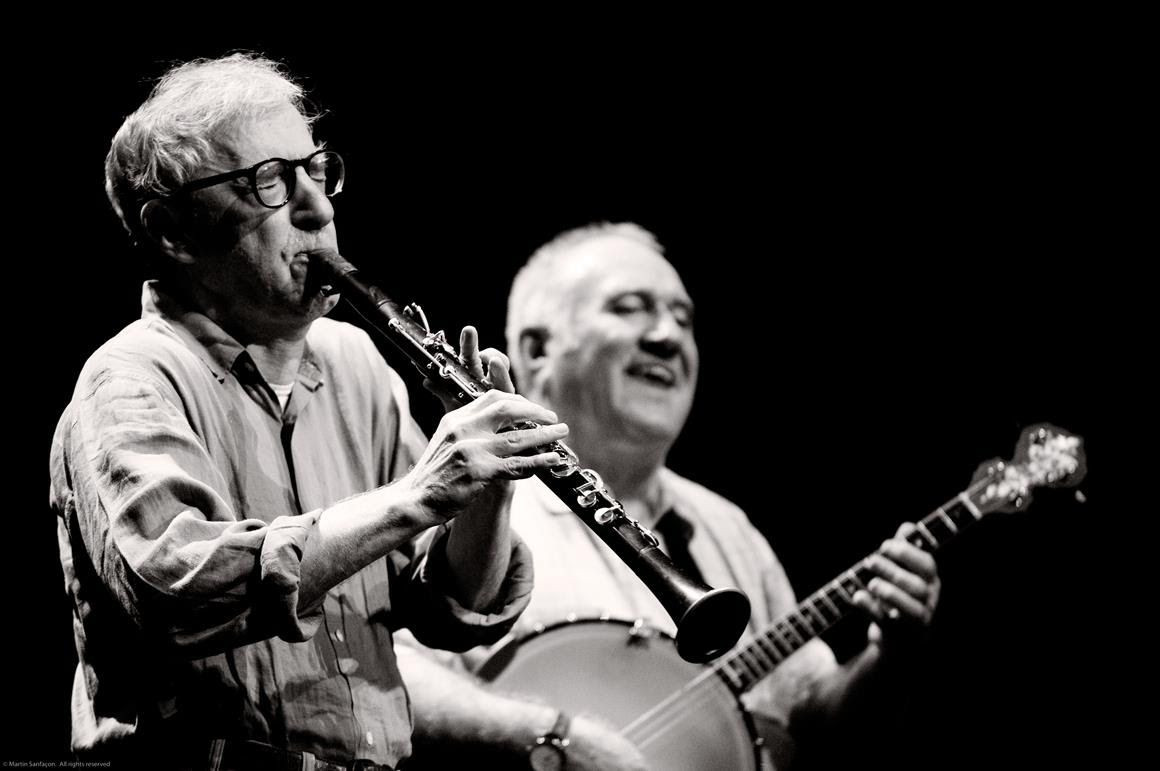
(566, 404)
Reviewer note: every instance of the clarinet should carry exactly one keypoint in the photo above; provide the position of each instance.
(709, 621)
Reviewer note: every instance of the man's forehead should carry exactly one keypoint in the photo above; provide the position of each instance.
(614, 263)
(266, 133)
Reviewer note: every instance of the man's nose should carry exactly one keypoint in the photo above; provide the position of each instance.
(312, 210)
(664, 326)
(664, 334)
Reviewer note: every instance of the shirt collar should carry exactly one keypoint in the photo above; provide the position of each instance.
(670, 504)
(221, 352)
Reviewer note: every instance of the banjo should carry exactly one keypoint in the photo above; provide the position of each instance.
(689, 716)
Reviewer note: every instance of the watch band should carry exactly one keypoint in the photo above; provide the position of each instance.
(560, 728)
(554, 743)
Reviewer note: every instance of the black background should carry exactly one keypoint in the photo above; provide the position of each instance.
(898, 260)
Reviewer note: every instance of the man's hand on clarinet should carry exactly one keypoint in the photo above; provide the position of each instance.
(490, 366)
(474, 450)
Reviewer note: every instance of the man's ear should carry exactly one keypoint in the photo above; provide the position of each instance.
(533, 345)
(165, 231)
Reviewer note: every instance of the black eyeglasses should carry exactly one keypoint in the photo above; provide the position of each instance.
(272, 181)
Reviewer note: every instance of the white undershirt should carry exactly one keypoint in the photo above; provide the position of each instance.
(282, 392)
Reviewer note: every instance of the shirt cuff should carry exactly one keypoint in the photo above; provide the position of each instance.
(281, 576)
(462, 628)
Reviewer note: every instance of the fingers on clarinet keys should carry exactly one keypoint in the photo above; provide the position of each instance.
(564, 468)
(519, 447)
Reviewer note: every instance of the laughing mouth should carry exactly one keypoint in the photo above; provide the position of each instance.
(653, 373)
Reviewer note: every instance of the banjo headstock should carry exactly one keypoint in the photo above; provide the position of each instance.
(1046, 456)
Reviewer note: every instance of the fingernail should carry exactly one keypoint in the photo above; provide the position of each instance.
(560, 429)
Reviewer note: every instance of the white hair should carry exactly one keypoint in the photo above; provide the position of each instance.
(533, 301)
(170, 136)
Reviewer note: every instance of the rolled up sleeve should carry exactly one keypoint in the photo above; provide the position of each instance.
(437, 619)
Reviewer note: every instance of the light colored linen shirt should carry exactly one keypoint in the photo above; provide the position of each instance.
(578, 576)
(185, 495)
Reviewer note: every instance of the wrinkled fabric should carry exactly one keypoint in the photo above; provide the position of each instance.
(186, 494)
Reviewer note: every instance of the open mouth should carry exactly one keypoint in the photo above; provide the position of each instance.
(653, 373)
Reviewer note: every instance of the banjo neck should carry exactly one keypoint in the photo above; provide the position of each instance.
(751, 662)
(1046, 456)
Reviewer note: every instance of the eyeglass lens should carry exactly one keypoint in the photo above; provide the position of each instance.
(274, 181)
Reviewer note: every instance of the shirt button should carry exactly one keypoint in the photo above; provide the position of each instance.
(339, 636)
(370, 739)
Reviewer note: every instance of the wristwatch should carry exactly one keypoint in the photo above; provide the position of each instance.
(548, 753)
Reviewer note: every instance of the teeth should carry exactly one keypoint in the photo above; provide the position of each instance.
(654, 372)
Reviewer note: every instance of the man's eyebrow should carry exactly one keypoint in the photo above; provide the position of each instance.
(651, 297)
